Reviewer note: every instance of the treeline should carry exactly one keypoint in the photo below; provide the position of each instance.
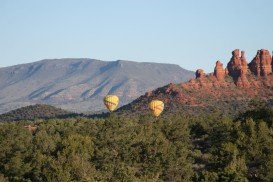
(33, 112)
(175, 148)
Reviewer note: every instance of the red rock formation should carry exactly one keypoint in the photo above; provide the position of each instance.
(261, 65)
(242, 80)
(255, 65)
(219, 71)
(172, 89)
(226, 71)
(230, 87)
(238, 68)
(200, 74)
(237, 63)
(234, 64)
(244, 66)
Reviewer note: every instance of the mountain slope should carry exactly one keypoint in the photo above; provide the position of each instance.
(80, 84)
(229, 91)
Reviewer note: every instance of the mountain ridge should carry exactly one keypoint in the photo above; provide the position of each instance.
(79, 85)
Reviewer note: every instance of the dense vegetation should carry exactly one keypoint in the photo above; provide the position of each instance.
(38, 111)
(174, 148)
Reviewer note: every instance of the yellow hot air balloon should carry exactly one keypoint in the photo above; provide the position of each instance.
(157, 107)
(111, 102)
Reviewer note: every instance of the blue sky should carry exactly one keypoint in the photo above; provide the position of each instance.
(193, 34)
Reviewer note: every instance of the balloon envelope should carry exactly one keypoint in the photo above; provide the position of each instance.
(157, 107)
(111, 102)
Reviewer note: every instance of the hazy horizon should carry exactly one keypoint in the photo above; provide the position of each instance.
(192, 35)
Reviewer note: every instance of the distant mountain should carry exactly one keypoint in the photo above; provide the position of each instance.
(79, 85)
(230, 91)
(35, 112)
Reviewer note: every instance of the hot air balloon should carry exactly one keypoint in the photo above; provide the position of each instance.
(157, 107)
(111, 102)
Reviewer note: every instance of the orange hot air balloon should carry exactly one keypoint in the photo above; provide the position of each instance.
(111, 102)
(157, 107)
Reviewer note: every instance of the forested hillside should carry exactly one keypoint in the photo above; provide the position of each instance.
(141, 148)
(38, 111)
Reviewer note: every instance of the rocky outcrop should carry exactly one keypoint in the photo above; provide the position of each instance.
(219, 71)
(237, 64)
(261, 65)
(244, 65)
(234, 64)
(242, 80)
(238, 69)
(200, 74)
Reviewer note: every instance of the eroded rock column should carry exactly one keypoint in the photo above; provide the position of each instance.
(261, 65)
(219, 71)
